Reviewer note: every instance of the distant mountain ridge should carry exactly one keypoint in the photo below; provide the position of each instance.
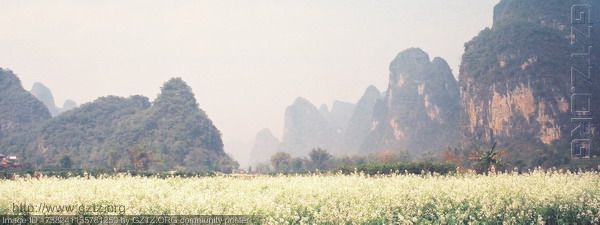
(265, 145)
(422, 95)
(44, 94)
(306, 127)
(420, 110)
(171, 133)
(514, 89)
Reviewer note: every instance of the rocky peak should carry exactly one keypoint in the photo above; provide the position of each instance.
(43, 93)
(408, 63)
(265, 135)
(371, 91)
(304, 128)
(175, 88)
(265, 145)
(68, 105)
(177, 104)
(302, 105)
(554, 14)
(8, 80)
(176, 96)
(418, 113)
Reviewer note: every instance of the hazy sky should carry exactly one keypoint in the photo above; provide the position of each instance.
(245, 60)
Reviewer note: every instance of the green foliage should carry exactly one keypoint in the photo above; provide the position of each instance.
(171, 133)
(320, 160)
(97, 173)
(65, 162)
(513, 44)
(512, 11)
(400, 167)
(487, 159)
(281, 161)
(18, 108)
(319, 157)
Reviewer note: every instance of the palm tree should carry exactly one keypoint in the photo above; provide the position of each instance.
(487, 159)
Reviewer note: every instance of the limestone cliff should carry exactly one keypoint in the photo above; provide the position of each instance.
(515, 82)
(420, 110)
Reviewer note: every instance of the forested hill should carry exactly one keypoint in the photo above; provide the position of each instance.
(18, 108)
(115, 132)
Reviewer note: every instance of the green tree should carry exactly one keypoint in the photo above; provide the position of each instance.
(281, 161)
(486, 160)
(319, 157)
(140, 160)
(297, 164)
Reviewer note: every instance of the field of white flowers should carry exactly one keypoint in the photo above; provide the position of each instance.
(533, 198)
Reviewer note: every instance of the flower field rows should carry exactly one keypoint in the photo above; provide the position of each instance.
(533, 198)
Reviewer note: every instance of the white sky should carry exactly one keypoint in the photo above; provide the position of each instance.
(245, 60)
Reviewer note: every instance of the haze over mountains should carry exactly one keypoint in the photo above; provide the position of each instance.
(44, 94)
(418, 113)
(513, 89)
(250, 59)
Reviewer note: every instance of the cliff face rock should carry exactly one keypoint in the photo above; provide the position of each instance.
(420, 110)
(360, 122)
(515, 81)
(265, 145)
(18, 108)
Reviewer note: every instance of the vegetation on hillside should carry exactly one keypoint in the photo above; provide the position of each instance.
(171, 133)
(18, 108)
